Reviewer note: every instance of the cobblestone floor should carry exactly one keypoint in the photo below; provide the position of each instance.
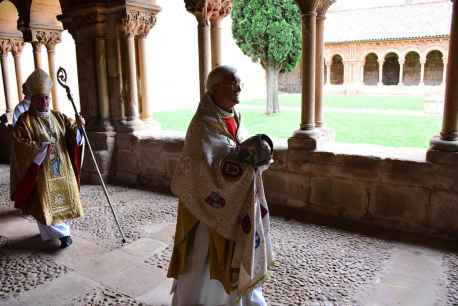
(315, 265)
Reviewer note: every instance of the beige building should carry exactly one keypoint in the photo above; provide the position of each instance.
(401, 46)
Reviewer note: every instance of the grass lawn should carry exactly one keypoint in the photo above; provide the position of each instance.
(387, 130)
(342, 101)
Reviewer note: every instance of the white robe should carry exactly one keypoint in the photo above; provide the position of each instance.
(195, 288)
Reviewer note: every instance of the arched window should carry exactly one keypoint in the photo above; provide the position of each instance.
(371, 68)
(412, 69)
(391, 69)
(434, 68)
(337, 70)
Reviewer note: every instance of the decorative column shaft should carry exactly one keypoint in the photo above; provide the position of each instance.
(215, 31)
(5, 48)
(132, 105)
(216, 11)
(319, 74)
(52, 73)
(448, 139)
(308, 70)
(102, 81)
(422, 72)
(36, 46)
(444, 71)
(380, 72)
(145, 106)
(204, 51)
(401, 72)
(17, 51)
(50, 39)
(450, 120)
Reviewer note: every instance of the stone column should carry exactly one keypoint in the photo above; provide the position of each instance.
(319, 74)
(422, 72)
(17, 50)
(48, 38)
(203, 10)
(102, 83)
(146, 114)
(216, 11)
(401, 72)
(51, 47)
(361, 71)
(132, 113)
(203, 41)
(444, 71)
(306, 137)
(215, 33)
(448, 138)
(308, 68)
(36, 46)
(5, 48)
(380, 72)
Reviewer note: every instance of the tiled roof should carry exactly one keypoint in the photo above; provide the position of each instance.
(389, 23)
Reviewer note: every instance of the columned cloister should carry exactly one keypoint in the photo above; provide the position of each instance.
(312, 174)
(312, 178)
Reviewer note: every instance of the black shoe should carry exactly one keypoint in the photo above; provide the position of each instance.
(65, 242)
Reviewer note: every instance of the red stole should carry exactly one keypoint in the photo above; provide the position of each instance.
(231, 126)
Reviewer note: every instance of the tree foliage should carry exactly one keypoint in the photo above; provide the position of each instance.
(268, 31)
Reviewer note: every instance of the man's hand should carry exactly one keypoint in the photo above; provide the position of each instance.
(80, 120)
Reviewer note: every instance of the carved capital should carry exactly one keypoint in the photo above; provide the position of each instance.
(17, 46)
(319, 6)
(5, 46)
(137, 22)
(48, 38)
(218, 9)
(206, 10)
(323, 7)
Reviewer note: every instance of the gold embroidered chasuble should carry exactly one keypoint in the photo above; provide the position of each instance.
(225, 195)
(55, 196)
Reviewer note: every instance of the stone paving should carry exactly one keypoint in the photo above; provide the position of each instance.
(315, 265)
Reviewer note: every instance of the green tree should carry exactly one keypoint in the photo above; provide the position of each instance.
(268, 31)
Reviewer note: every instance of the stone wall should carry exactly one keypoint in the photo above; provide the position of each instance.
(411, 196)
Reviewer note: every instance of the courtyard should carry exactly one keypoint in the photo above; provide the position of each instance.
(387, 120)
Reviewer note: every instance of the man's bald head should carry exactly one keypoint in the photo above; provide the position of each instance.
(223, 84)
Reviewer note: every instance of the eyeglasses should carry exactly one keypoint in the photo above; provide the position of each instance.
(234, 86)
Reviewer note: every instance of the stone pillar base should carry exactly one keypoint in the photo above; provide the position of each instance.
(304, 140)
(443, 145)
(443, 151)
(129, 126)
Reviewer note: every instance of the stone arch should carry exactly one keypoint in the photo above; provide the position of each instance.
(412, 68)
(337, 70)
(371, 69)
(434, 68)
(391, 68)
(44, 12)
(9, 15)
